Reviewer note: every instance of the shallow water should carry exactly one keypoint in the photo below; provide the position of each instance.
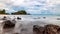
(25, 26)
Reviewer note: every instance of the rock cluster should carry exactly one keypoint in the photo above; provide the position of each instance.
(47, 29)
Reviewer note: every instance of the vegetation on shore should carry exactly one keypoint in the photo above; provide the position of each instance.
(20, 12)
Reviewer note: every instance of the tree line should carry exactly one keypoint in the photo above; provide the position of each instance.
(20, 12)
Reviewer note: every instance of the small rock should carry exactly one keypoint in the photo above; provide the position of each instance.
(18, 18)
(4, 18)
(44, 17)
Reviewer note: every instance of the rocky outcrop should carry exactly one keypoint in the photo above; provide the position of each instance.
(8, 24)
(47, 29)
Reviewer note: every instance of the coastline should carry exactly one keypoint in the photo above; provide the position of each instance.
(27, 22)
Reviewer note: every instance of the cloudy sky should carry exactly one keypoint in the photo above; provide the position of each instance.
(31, 6)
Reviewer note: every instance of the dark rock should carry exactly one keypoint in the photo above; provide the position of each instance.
(18, 18)
(44, 17)
(16, 33)
(58, 18)
(51, 29)
(47, 29)
(4, 18)
(8, 24)
(37, 29)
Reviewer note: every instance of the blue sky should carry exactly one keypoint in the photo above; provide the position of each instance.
(31, 6)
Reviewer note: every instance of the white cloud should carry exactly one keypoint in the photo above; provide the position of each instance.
(2, 6)
(17, 2)
(29, 5)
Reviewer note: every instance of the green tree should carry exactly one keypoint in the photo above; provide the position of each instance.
(21, 12)
(2, 11)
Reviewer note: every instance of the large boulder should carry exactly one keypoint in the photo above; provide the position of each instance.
(47, 29)
(51, 29)
(37, 29)
(8, 24)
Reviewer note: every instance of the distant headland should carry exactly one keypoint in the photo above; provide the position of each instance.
(20, 12)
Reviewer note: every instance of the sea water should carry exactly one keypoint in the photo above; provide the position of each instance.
(27, 22)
